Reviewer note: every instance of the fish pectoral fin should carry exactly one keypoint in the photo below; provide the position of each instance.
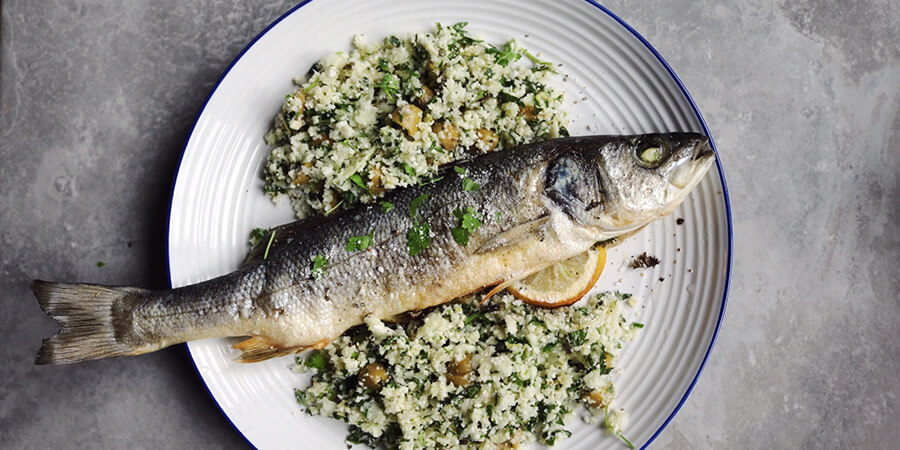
(616, 240)
(258, 348)
(509, 282)
(514, 235)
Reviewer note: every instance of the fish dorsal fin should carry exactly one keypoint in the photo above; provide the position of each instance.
(514, 235)
(258, 348)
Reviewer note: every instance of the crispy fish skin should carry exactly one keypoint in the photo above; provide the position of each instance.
(554, 198)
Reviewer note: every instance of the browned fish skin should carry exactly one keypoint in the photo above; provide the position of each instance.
(556, 198)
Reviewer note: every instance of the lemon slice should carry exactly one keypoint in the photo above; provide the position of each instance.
(562, 283)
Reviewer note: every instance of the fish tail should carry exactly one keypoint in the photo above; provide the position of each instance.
(85, 316)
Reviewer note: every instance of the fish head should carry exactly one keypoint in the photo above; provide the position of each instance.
(620, 184)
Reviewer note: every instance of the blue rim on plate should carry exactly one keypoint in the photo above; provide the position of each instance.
(694, 108)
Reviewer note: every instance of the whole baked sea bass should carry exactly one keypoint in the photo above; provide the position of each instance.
(536, 204)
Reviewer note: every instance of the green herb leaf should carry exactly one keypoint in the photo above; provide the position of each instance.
(637, 325)
(460, 235)
(459, 170)
(258, 234)
(505, 56)
(357, 180)
(100, 263)
(469, 185)
(315, 360)
(418, 238)
(506, 97)
(499, 216)
(360, 242)
(473, 318)
(389, 85)
(409, 169)
(382, 65)
(471, 220)
(549, 347)
(415, 203)
(386, 206)
(300, 395)
(576, 337)
(319, 263)
(395, 41)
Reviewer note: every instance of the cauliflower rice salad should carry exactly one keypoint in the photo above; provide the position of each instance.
(389, 114)
(496, 375)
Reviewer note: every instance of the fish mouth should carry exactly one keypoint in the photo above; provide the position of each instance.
(704, 152)
(689, 174)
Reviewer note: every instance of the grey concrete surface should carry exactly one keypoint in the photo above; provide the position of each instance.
(803, 100)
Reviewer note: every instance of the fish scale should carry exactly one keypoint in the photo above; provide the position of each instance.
(556, 198)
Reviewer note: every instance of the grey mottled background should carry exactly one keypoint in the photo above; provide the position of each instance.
(802, 97)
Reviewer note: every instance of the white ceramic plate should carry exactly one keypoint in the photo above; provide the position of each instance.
(617, 85)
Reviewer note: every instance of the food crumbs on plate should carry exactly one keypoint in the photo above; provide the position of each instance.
(679, 221)
(644, 261)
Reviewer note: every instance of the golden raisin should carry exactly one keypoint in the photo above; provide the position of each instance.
(408, 117)
(486, 139)
(447, 134)
(373, 375)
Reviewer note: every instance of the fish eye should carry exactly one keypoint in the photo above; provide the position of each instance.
(650, 155)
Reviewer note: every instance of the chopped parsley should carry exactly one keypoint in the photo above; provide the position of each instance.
(258, 234)
(415, 203)
(637, 325)
(386, 206)
(418, 238)
(576, 337)
(460, 236)
(357, 180)
(100, 263)
(315, 360)
(467, 183)
(383, 65)
(389, 85)
(499, 216)
(505, 56)
(360, 242)
(470, 221)
(318, 267)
